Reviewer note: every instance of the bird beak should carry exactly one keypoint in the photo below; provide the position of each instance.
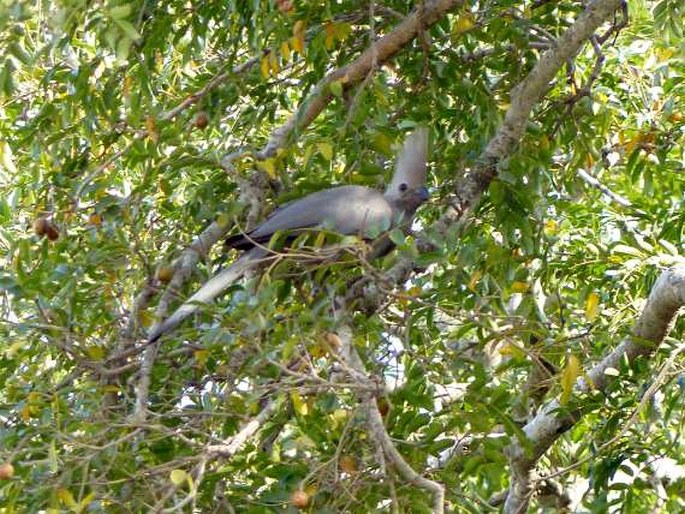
(424, 194)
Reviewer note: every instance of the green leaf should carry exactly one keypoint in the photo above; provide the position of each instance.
(326, 149)
(397, 237)
(18, 51)
(120, 12)
(178, 477)
(128, 29)
(336, 88)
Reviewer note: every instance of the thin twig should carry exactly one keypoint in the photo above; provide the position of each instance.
(377, 429)
(589, 179)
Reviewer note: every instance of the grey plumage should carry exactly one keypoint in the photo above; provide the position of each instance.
(348, 210)
(329, 208)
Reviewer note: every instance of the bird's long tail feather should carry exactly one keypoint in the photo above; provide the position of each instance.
(208, 292)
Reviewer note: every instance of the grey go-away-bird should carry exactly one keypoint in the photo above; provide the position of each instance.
(347, 210)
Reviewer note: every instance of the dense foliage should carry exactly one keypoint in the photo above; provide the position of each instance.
(126, 129)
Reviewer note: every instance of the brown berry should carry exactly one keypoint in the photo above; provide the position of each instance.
(285, 6)
(95, 219)
(164, 274)
(334, 341)
(6, 471)
(299, 499)
(52, 231)
(348, 464)
(40, 226)
(383, 406)
(201, 120)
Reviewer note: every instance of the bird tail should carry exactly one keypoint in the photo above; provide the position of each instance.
(208, 292)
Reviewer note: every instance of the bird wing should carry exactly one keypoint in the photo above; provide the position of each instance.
(347, 210)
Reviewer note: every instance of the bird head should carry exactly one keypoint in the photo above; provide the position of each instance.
(407, 190)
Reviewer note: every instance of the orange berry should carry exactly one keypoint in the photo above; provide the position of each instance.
(299, 499)
(6, 471)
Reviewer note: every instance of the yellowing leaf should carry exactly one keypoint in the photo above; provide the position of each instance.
(544, 142)
(14, 349)
(297, 44)
(85, 501)
(298, 28)
(285, 51)
(511, 350)
(96, 353)
(274, 65)
(338, 418)
(330, 35)
(66, 498)
(223, 220)
(551, 227)
(269, 166)
(519, 287)
(664, 54)
(382, 142)
(568, 378)
(342, 30)
(150, 127)
(475, 278)
(201, 356)
(318, 350)
(145, 318)
(128, 82)
(25, 413)
(299, 404)
(591, 306)
(264, 67)
(297, 41)
(463, 24)
(326, 149)
(178, 477)
(414, 291)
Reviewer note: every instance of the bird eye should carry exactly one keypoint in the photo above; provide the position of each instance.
(403, 187)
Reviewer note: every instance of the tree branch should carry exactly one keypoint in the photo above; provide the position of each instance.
(378, 53)
(524, 97)
(666, 298)
(213, 452)
(165, 116)
(592, 181)
(379, 434)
